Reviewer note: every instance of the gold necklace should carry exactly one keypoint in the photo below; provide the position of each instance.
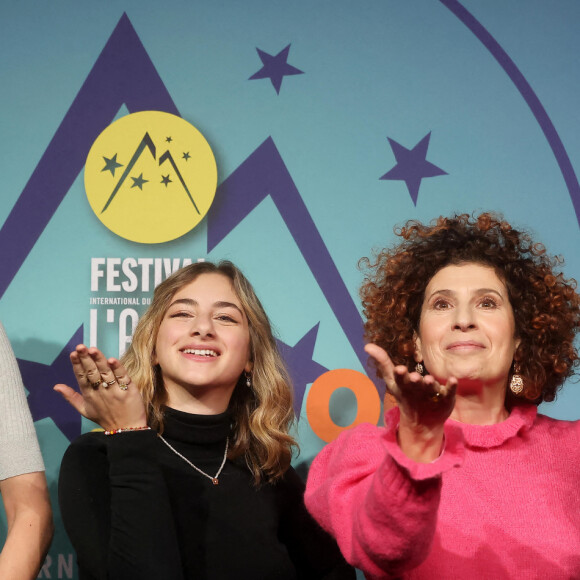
(214, 479)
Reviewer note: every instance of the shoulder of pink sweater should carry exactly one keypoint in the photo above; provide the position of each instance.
(563, 430)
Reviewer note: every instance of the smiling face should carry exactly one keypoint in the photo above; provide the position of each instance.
(467, 327)
(203, 343)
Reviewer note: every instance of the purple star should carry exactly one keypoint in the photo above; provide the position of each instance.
(42, 400)
(275, 68)
(302, 368)
(412, 166)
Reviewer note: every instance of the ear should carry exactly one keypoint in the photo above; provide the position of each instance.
(418, 350)
(249, 366)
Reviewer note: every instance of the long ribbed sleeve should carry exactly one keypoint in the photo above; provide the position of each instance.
(19, 450)
(115, 508)
(380, 505)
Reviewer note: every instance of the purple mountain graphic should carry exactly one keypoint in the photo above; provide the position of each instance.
(122, 75)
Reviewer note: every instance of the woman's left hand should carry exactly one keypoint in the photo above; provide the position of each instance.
(424, 406)
(107, 395)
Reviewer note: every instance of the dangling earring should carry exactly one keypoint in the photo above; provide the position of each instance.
(419, 368)
(248, 380)
(516, 382)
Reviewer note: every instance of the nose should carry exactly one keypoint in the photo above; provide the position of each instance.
(464, 318)
(202, 325)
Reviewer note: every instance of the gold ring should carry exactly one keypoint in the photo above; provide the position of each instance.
(436, 397)
(96, 385)
(123, 386)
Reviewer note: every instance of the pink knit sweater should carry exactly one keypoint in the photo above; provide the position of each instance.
(502, 501)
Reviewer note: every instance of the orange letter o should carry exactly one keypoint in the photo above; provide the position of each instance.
(318, 402)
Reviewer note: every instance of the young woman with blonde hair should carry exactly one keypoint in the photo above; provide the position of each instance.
(192, 477)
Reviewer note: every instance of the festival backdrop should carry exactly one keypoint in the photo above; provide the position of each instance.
(316, 126)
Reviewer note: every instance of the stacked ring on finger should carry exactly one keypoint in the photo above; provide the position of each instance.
(96, 384)
(107, 384)
(123, 386)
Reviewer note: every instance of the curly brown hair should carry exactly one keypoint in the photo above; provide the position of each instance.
(546, 306)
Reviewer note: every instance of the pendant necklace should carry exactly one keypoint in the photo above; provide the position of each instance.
(214, 479)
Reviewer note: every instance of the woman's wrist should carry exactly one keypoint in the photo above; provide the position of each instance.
(419, 442)
(118, 430)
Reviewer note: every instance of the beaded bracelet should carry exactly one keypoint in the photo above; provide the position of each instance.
(122, 430)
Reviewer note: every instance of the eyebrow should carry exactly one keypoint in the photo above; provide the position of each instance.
(479, 292)
(218, 304)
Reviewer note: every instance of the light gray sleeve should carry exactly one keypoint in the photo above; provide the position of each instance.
(19, 450)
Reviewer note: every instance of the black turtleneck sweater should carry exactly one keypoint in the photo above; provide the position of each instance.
(133, 509)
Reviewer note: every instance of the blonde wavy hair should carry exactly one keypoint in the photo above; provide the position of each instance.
(261, 415)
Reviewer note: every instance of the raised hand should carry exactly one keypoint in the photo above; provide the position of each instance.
(424, 405)
(107, 395)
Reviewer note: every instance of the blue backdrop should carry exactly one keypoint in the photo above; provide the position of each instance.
(331, 121)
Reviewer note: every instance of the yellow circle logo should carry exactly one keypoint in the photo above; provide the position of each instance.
(150, 177)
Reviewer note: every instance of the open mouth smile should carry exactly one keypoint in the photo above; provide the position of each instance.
(201, 352)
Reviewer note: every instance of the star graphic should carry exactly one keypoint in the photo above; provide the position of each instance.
(302, 368)
(165, 180)
(186, 155)
(42, 400)
(111, 164)
(275, 68)
(139, 182)
(412, 166)
(168, 139)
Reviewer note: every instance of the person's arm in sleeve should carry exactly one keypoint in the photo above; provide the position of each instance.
(19, 450)
(380, 505)
(113, 482)
(378, 490)
(115, 508)
(22, 480)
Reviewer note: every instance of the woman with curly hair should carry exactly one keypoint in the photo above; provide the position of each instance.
(191, 478)
(466, 479)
